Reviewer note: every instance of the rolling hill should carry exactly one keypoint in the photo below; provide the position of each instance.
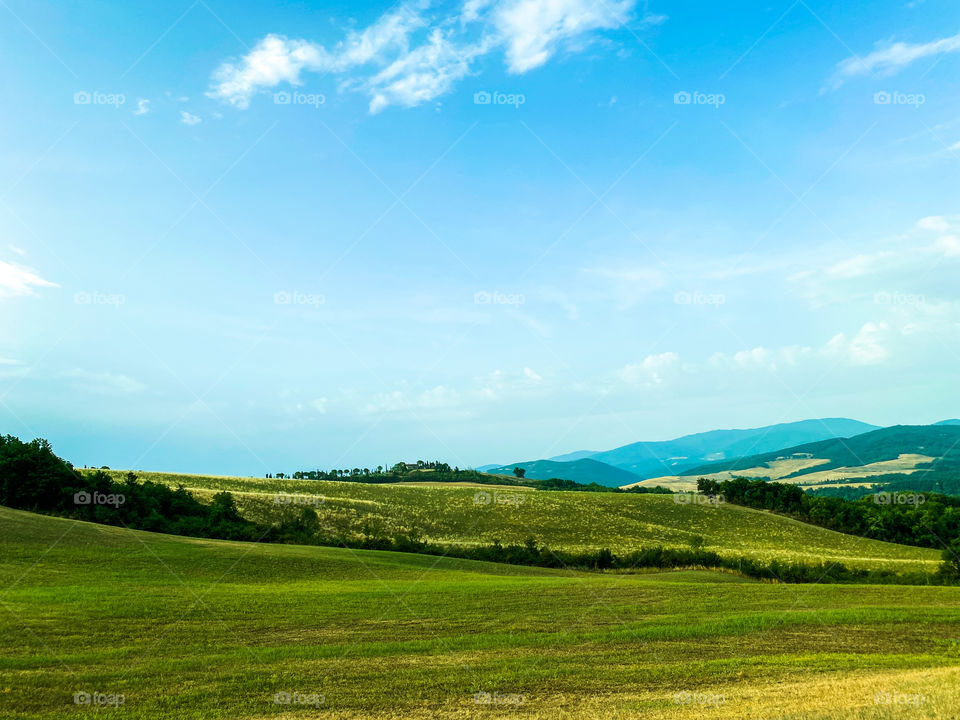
(651, 459)
(146, 626)
(584, 471)
(672, 457)
(927, 455)
(573, 521)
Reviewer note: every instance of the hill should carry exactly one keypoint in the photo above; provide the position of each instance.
(572, 521)
(583, 471)
(673, 457)
(926, 455)
(170, 628)
(575, 455)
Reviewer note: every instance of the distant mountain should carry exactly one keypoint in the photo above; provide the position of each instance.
(672, 457)
(920, 457)
(583, 471)
(948, 422)
(576, 455)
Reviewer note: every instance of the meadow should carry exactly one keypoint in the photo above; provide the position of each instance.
(572, 521)
(142, 625)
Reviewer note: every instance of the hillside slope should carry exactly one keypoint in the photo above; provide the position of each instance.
(583, 471)
(186, 629)
(562, 520)
(924, 453)
(672, 457)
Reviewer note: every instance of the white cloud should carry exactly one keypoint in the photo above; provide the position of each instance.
(320, 405)
(762, 358)
(422, 74)
(920, 262)
(415, 58)
(629, 285)
(277, 59)
(867, 347)
(651, 370)
(16, 250)
(143, 107)
(532, 375)
(394, 401)
(948, 245)
(860, 265)
(533, 29)
(188, 118)
(936, 223)
(103, 383)
(891, 59)
(20, 280)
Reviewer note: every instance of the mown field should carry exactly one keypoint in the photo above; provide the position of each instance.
(186, 628)
(562, 520)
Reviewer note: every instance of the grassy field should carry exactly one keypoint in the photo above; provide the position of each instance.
(562, 520)
(185, 628)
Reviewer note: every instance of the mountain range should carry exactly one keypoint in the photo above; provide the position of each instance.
(835, 452)
(915, 457)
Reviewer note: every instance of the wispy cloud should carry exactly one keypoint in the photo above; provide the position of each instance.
(892, 59)
(409, 56)
(103, 383)
(189, 118)
(20, 280)
(143, 107)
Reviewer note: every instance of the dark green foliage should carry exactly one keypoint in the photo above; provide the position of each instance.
(924, 520)
(531, 553)
(937, 441)
(950, 568)
(33, 478)
(442, 472)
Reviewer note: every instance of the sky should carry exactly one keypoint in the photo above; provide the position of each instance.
(243, 238)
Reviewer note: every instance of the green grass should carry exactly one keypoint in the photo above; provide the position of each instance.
(188, 628)
(562, 520)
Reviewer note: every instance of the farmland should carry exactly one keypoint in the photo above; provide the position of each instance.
(562, 520)
(188, 628)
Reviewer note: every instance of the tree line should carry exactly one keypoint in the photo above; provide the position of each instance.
(33, 478)
(930, 520)
(442, 472)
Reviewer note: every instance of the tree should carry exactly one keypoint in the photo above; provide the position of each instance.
(519, 472)
(951, 560)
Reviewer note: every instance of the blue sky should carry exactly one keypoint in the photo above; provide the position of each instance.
(248, 239)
